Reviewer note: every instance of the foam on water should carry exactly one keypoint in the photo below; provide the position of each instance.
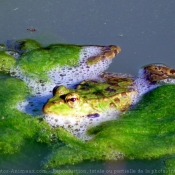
(143, 86)
(68, 76)
(78, 126)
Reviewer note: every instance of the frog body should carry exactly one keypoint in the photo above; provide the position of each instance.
(90, 103)
(93, 102)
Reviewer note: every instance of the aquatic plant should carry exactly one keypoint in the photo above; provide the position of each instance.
(146, 131)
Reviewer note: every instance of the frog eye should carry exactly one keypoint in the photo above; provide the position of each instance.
(72, 100)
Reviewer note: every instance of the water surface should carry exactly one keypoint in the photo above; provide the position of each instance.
(145, 30)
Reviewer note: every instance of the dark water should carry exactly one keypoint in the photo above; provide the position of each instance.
(145, 30)
(33, 156)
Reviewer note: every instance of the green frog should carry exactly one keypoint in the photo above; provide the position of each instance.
(93, 102)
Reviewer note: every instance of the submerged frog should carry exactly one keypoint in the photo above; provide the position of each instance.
(43, 68)
(93, 102)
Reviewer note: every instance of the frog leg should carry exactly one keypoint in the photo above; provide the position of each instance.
(116, 77)
(157, 73)
(107, 52)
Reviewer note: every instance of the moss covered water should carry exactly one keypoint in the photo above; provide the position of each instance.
(42, 60)
(35, 60)
(144, 132)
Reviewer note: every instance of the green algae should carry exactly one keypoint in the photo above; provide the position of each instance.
(27, 45)
(2, 47)
(169, 165)
(6, 62)
(145, 132)
(39, 61)
(16, 127)
(35, 61)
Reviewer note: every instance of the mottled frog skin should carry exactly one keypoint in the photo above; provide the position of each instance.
(93, 102)
(88, 105)
(92, 96)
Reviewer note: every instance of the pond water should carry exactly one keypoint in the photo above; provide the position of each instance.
(33, 155)
(145, 31)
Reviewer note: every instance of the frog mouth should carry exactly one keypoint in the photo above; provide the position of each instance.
(107, 52)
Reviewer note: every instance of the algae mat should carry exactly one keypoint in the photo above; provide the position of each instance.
(145, 132)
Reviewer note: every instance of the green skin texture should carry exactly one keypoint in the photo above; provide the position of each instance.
(145, 132)
(90, 101)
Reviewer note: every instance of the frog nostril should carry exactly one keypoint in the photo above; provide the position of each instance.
(63, 97)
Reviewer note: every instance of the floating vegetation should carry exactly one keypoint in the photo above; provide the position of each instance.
(144, 132)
